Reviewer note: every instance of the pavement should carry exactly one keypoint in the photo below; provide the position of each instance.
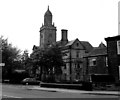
(117, 93)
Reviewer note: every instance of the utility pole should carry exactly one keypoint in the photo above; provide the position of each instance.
(70, 67)
(119, 18)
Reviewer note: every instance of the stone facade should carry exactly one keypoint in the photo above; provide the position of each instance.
(47, 31)
(73, 51)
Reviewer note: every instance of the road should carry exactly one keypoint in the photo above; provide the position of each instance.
(21, 91)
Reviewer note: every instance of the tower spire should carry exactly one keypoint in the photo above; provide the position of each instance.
(48, 7)
(47, 31)
(48, 17)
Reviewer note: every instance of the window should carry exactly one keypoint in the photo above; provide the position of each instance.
(92, 62)
(78, 66)
(77, 44)
(65, 67)
(106, 61)
(65, 76)
(77, 54)
(118, 47)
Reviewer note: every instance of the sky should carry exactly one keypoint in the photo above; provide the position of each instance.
(87, 20)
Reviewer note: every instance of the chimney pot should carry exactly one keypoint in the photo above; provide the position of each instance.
(64, 38)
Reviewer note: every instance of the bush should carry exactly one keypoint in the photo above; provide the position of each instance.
(87, 86)
(17, 77)
(117, 84)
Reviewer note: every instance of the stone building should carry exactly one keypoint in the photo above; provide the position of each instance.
(113, 50)
(47, 31)
(74, 50)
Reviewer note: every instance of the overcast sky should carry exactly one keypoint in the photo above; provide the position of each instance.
(87, 20)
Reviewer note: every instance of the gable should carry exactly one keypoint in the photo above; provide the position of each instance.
(77, 45)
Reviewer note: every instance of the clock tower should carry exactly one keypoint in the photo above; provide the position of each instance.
(47, 31)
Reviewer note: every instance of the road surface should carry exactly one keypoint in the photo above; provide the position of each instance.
(21, 91)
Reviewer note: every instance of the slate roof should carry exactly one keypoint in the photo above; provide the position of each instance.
(113, 38)
(88, 47)
(97, 51)
(48, 12)
(58, 43)
(102, 45)
(70, 43)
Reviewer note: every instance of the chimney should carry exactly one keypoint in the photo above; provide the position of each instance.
(64, 38)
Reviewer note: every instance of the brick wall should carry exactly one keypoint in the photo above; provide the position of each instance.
(113, 57)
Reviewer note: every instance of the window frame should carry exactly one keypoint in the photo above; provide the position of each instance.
(91, 61)
(118, 47)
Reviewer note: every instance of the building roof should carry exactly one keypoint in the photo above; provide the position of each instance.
(98, 51)
(70, 42)
(48, 12)
(87, 46)
(59, 43)
(113, 38)
(102, 45)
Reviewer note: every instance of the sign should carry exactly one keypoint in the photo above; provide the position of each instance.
(2, 64)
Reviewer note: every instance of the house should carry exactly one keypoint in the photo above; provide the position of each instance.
(95, 62)
(113, 51)
(73, 51)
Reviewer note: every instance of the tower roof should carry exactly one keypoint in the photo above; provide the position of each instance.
(48, 12)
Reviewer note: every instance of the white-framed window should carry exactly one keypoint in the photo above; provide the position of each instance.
(106, 61)
(92, 62)
(118, 47)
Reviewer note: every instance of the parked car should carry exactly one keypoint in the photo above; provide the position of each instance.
(30, 81)
(5, 80)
